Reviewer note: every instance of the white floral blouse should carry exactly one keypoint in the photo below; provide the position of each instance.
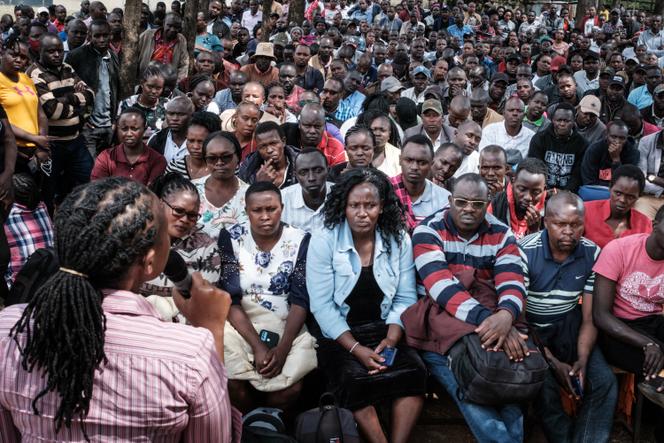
(273, 279)
(214, 219)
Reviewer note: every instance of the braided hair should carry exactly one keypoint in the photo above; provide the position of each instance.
(171, 183)
(101, 230)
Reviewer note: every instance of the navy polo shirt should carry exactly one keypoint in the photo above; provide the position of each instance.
(554, 289)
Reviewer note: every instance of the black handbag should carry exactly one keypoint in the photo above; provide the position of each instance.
(327, 424)
(491, 378)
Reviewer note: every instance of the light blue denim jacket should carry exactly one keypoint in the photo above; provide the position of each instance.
(333, 269)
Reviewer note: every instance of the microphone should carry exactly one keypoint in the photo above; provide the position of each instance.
(177, 272)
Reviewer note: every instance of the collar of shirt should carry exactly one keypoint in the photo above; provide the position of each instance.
(298, 199)
(122, 157)
(426, 195)
(117, 301)
(346, 242)
(537, 122)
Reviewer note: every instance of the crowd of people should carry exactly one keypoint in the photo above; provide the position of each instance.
(321, 180)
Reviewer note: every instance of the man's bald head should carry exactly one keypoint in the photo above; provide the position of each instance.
(562, 200)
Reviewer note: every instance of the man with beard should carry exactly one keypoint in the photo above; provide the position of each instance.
(446, 160)
(480, 111)
(641, 97)
(419, 196)
(561, 148)
(588, 78)
(215, 20)
(653, 38)
(77, 32)
(615, 100)
(521, 205)
(310, 132)
(432, 125)
(494, 168)
(335, 108)
(497, 90)
(115, 22)
(303, 201)
(535, 120)
(230, 97)
(352, 98)
(165, 45)
(468, 137)
(293, 92)
(587, 119)
(63, 96)
(307, 77)
(511, 133)
(260, 69)
(323, 59)
(557, 265)
(99, 68)
(457, 84)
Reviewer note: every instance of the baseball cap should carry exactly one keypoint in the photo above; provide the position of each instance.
(432, 105)
(42, 9)
(641, 68)
(659, 88)
(391, 84)
(617, 80)
(500, 77)
(434, 90)
(590, 104)
(513, 56)
(632, 60)
(557, 62)
(422, 70)
(608, 70)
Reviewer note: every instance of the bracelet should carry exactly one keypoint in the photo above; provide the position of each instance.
(352, 348)
(649, 344)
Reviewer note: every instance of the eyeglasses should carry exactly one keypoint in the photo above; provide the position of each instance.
(461, 203)
(180, 212)
(214, 159)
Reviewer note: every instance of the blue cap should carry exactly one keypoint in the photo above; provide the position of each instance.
(422, 70)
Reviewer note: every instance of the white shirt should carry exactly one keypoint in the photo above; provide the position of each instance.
(410, 93)
(171, 150)
(584, 84)
(296, 213)
(249, 21)
(470, 163)
(496, 134)
(433, 199)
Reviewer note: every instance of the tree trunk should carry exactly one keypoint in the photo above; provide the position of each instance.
(296, 12)
(581, 8)
(659, 7)
(267, 10)
(128, 69)
(191, 8)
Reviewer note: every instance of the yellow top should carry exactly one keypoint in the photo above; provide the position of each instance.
(21, 102)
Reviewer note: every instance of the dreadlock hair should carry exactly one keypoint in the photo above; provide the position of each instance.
(208, 120)
(101, 230)
(391, 222)
(171, 183)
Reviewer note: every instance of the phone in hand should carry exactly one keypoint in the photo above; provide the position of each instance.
(389, 354)
(576, 385)
(271, 339)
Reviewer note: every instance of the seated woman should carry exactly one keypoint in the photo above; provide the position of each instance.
(386, 155)
(627, 304)
(274, 160)
(360, 278)
(360, 145)
(616, 217)
(201, 92)
(149, 100)
(221, 192)
(244, 121)
(132, 158)
(197, 248)
(263, 264)
(192, 165)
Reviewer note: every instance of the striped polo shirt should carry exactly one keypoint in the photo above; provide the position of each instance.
(554, 288)
(441, 254)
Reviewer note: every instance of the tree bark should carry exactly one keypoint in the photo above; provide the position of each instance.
(129, 70)
(296, 12)
(581, 8)
(659, 7)
(267, 10)
(191, 8)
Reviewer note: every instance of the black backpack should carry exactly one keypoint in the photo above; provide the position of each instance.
(41, 265)
(327, 424)
(491, 378)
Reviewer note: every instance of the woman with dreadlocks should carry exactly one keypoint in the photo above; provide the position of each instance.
(88, 358)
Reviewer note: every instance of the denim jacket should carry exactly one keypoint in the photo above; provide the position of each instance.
(333, 269)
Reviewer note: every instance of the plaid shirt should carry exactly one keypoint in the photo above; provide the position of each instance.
(26, 230)
(63, 106)
(404, 198)
(344, 111)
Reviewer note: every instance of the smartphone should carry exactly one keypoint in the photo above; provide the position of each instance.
(576, 385)
(271, 339)
(389, 355)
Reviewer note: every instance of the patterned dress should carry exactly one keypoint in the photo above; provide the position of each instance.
(214, 219)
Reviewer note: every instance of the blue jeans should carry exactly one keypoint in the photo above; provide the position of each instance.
(488, 424)
(594, 418)
(72, 165)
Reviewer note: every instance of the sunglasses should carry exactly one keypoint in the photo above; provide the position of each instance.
(461, 203)
(180, 212)
(214, 159)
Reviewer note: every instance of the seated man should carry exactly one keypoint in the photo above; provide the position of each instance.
(446, 247)
(419, 196)
(494, 168)
(616, 217)
(446, 160)
(603, 157)
(627, 303)
(521, 205)
(468, 138)
(273, 159)
(557, 265)
(303, 202)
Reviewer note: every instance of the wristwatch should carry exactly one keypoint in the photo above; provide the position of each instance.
(651, 177)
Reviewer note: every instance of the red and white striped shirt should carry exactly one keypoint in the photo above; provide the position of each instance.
(163, 382)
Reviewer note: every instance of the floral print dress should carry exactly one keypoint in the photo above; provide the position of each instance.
(270, 279)
(214, 219)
